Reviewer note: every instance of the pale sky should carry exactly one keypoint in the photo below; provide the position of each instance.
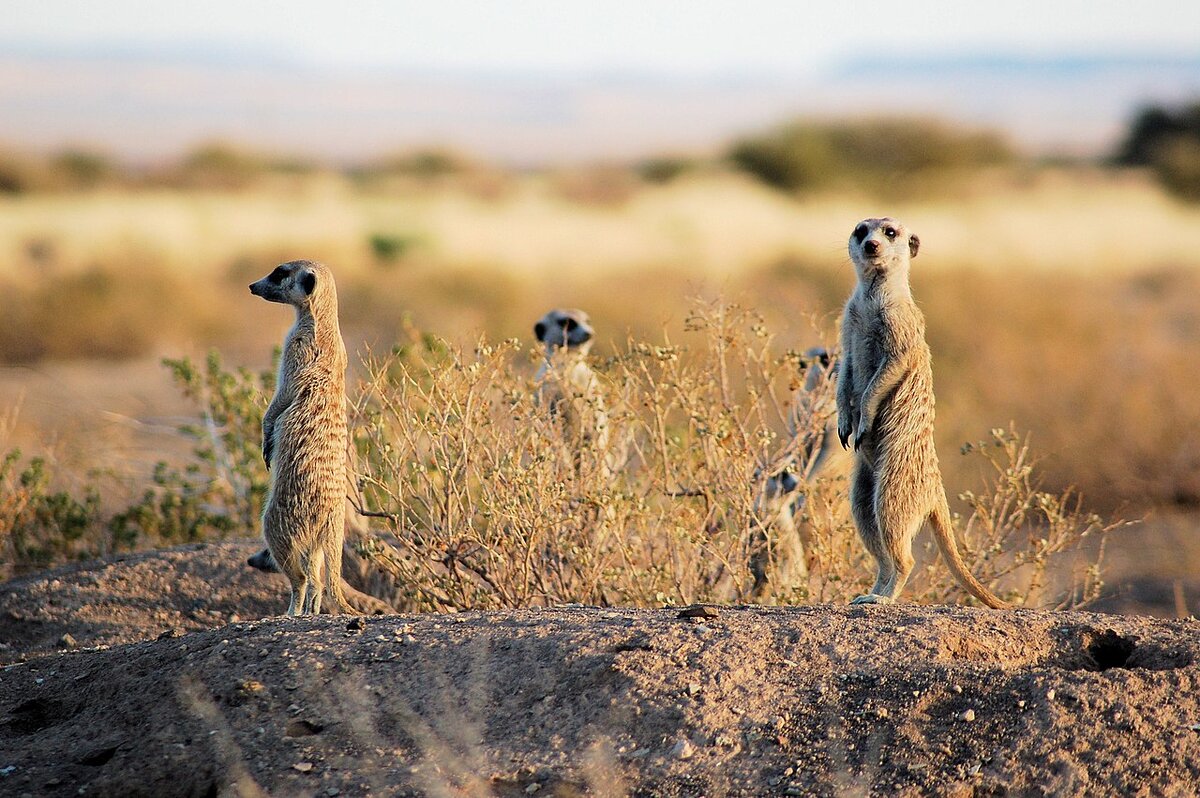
(672, 36)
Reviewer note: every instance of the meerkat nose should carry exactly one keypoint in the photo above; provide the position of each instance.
(871, 247)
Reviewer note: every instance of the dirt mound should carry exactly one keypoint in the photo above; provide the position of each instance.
(135, 597)
(573, 700)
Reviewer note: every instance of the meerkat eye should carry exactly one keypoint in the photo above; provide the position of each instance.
(825, 359)
(860, 233)
(277, 276)
(570, 325)
(890, 232)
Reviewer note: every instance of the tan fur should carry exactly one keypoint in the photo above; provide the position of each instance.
(885, 400)
(304, 439)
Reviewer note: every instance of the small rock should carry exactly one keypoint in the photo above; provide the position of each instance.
(956, 689)
(7, 771)
(333, 792)
(1050, 694)
(67, 641)
(967, 715)
(235, 618)
(302, 728)
(698, 611)
(1021, 704)
(693, 688)
(303, 767)
(532, 788)
(409, 639)
(683, 749)
(881, 713)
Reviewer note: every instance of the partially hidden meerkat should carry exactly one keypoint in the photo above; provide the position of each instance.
(778, 540)
(885, 401)
(304, 439)
(570, 389)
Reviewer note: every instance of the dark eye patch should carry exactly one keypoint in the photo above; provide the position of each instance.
(277, 276)
(860, 233)
(539, 331)
(570, 325)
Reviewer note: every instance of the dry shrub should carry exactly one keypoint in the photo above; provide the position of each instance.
(490, 506)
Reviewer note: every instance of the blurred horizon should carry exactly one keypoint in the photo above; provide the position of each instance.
(535, 86)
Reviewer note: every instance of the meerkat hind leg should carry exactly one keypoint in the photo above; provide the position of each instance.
(314, 566)
(897, 525)
(862, 504)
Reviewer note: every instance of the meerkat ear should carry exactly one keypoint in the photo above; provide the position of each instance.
(539, 331)
(308, 281)
(914, 244)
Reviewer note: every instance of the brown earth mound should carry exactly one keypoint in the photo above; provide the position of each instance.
(738, 701)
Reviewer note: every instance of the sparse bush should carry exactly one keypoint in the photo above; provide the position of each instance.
(665, 168)
(878, 156)
(1167, 141)
(40, 526)
(79, 169)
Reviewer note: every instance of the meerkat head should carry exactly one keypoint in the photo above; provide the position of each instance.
(881, 246)
(295, 283)
(565, 327)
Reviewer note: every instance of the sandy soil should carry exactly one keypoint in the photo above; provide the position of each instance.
(903, 700)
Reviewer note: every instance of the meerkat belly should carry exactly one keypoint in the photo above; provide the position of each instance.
(310, 461)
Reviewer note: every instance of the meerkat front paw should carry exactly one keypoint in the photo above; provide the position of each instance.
(873, 598)
(844, 427)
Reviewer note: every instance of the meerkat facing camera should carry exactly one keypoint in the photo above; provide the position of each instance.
(885, 401)
(570, 389)
(304, 438)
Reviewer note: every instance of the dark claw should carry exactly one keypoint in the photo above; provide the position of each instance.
(843, 438)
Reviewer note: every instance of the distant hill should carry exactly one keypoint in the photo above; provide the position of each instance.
(147, 104)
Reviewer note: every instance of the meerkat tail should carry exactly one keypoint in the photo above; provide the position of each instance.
(943, 532)
(365, 604)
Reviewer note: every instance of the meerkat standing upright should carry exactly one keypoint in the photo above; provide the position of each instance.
(304, 438)
(776, 537)
(885, 399)
(570, 389)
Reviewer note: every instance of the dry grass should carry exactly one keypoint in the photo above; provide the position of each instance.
(490, 507)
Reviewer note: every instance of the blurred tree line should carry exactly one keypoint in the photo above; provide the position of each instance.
(885, 157)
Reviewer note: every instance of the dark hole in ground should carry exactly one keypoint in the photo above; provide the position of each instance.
(1109, 650)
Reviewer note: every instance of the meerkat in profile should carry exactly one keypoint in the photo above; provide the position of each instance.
(885, 402)
(569, 387)
(304, 438)
(778, 539)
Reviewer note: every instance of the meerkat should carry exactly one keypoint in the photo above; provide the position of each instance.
(885, 401)
(568, 386)
(304, 439)
(777, 538)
